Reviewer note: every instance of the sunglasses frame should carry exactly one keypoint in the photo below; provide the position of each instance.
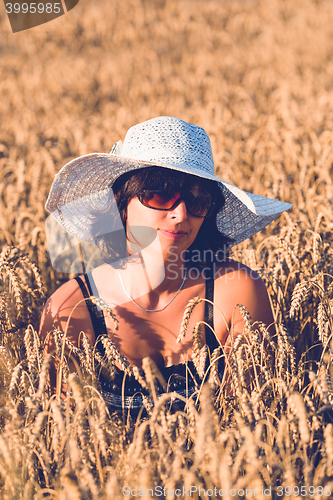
(182, 197)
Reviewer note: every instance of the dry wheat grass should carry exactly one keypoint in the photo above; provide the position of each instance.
(257, 76)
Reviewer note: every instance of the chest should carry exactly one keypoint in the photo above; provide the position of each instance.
(155, 334)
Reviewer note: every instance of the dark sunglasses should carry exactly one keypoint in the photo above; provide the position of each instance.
(198, 203)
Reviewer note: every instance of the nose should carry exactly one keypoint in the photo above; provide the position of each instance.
(179, 212)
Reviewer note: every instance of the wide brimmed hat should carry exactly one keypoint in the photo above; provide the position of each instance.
(82, 188)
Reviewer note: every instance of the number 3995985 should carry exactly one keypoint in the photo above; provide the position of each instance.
(33, 8)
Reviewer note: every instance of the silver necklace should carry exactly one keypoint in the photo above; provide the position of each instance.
(152, 310)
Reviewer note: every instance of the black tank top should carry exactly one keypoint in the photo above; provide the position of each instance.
(181, 378)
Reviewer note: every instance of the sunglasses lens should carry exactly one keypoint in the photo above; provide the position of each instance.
(159, 200)
(198, 203)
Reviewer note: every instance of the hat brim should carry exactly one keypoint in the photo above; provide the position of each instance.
(83, 185)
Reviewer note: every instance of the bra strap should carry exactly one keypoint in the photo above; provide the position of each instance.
(97, 317)
(211, 340)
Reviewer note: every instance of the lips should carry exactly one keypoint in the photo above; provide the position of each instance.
(176, 235)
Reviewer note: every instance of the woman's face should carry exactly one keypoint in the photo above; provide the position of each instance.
(176, 229)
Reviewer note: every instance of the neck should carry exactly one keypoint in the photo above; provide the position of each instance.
(149, 273)
(154, 302)
(164, 272)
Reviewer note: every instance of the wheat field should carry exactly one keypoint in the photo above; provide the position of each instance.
(258, 76)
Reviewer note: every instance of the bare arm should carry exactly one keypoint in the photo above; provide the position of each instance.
(237, 284)
(66, 311)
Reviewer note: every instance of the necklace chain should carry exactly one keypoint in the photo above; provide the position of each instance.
(153, 310)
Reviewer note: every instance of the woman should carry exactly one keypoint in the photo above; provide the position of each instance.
(160, 191)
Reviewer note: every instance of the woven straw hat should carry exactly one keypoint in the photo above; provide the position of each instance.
(82, 187)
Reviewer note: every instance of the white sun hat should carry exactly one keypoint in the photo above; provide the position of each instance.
(82, 187)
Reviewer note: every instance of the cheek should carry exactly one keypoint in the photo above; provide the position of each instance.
(195, 230)
(140, 232)
(198, 226)
(136, 215)
(131, 213)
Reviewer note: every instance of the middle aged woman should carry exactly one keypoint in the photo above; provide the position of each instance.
(164, 221)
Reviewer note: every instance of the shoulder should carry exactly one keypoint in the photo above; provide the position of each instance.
(237, 284)
(238, 276)
(67, 302)
(66, 296)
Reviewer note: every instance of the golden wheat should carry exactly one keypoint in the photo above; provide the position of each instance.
(257, 76)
